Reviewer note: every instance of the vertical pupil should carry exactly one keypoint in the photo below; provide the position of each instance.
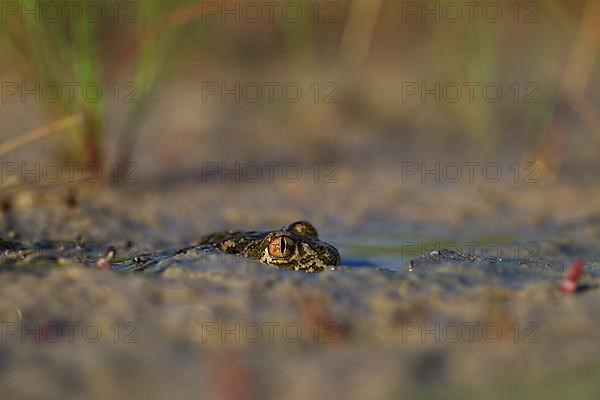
(282, 245)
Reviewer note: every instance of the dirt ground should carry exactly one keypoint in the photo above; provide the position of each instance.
(222, 327)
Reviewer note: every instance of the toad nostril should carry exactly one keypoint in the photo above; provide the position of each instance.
(336, 260)
(332, 257)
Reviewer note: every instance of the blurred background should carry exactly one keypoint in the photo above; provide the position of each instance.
(184, 83)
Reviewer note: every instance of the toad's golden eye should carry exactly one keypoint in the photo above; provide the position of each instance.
(281, 246)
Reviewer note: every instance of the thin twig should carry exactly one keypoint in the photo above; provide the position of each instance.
(176, 18)
(31, 186)
(39, 133)
(580, 66)
(357, 39)
(578, 70)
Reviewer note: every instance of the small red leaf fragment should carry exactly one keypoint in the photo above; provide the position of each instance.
(573, 274)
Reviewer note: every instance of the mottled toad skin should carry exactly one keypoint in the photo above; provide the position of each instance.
(295, 247)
